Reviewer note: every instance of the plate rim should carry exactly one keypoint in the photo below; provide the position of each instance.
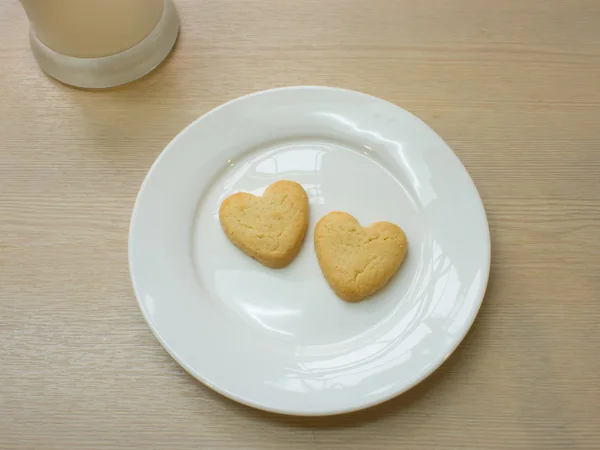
(265, 407)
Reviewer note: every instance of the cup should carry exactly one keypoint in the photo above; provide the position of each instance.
(100, 43)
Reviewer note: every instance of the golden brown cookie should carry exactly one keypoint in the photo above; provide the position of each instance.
(357, 261)
(270, 228)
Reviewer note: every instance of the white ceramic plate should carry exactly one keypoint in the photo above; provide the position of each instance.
(280, 340)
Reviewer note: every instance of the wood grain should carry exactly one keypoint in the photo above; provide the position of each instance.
(512, 85)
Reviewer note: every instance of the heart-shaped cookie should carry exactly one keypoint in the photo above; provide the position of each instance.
(270, 228)
(357, 261)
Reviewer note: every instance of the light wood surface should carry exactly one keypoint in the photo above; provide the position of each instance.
(512, 85)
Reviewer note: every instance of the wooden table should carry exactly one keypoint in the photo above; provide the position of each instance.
(512, 85)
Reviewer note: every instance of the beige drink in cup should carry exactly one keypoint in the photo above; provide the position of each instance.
(101, 43)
